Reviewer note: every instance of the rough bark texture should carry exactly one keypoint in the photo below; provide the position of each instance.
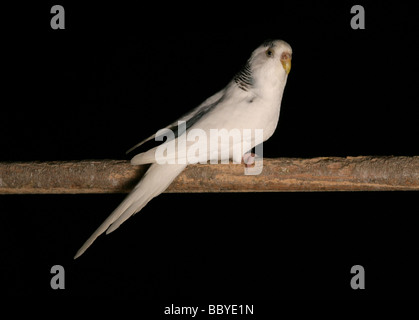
(283, 174)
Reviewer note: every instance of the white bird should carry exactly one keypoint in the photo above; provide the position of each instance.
(251, 100)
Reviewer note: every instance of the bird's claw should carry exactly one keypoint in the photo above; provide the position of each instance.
(249, 160)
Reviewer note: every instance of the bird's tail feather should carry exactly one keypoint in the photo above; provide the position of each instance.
(155, 181)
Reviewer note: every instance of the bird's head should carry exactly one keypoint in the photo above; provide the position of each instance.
(268, 65)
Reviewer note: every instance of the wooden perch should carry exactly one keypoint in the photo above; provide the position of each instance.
(283, 174)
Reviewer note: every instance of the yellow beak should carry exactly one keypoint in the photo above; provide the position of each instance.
(286, 63)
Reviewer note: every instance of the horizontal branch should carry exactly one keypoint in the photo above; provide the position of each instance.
(283, 174)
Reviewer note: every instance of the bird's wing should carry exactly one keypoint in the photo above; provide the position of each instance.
(191, 120)
(228, 112)
(186, 117)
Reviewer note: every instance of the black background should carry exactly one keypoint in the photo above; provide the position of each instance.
(119, 72)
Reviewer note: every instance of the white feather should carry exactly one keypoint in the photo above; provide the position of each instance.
(154, 182)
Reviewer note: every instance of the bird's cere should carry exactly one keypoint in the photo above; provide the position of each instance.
(286, 61)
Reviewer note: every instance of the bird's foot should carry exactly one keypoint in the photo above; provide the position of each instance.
(249, 160)
(253, 164)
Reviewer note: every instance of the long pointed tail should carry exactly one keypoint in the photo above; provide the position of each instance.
(155, 181)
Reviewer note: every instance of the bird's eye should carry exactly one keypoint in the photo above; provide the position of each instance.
(269, 53)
